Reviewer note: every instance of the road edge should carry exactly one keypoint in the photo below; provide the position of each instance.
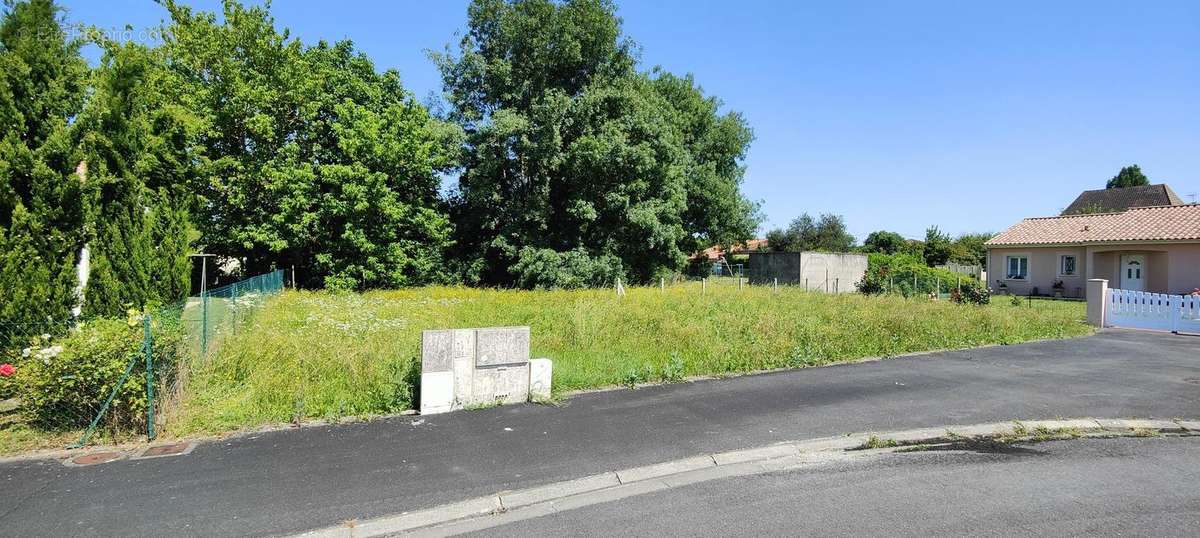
(509, 506)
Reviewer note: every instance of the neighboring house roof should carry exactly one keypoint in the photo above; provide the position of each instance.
(715, 252)
(1164, 223)
(1123, 198)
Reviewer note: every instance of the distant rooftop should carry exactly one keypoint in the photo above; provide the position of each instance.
(1163, 223)
(1120, 199)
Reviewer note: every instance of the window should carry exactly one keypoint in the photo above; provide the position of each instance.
(1018, 267)
(1066, 265)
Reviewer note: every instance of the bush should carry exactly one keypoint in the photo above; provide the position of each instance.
(65, 384)
(549, 269)
(973, 294)
(907, 275)
(8, 385)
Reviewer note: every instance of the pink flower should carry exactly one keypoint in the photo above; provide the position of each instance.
(7, 370)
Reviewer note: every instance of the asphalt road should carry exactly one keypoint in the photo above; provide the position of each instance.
(1085, 487)
(288, 481)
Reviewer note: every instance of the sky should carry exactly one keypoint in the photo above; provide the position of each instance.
(897, 115)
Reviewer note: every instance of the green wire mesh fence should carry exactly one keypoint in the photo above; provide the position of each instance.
(69, 383)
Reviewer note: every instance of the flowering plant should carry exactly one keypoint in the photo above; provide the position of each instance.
(8, 385)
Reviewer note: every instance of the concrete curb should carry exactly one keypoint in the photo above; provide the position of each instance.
(509, 506)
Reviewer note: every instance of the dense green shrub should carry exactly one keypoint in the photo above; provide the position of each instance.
(547, 269)
(64, 383)
(972, 294)
(906, 274)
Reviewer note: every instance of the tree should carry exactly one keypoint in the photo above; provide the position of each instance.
(139, 170)
(308, 156)
(1129, 176)
(42, 87)
(569, 149)
(968, 249)
(883, 241)
(804, 233)
(937, 247)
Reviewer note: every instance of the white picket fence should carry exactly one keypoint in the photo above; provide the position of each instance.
(1154, 311)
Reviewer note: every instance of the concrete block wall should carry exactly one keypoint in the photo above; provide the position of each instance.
(835, 272)
(466, 367)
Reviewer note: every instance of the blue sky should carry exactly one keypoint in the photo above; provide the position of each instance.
(897, 115)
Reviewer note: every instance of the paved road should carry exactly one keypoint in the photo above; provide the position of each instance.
(289, 481)
(1085, 487)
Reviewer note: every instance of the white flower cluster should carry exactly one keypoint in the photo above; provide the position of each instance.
(43, 354)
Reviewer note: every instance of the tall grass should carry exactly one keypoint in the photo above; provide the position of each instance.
(325, 355)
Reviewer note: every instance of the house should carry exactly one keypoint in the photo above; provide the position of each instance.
(1120, 199)
(1155, 249)
(715, 253)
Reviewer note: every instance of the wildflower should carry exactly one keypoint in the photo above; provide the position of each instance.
(7, 370)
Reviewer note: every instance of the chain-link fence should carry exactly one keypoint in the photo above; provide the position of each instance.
(71, 383)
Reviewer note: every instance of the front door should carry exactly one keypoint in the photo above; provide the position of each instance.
(1133, 272)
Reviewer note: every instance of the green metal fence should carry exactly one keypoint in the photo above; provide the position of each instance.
(63, 382)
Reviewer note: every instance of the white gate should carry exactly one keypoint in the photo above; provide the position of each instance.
(1155, 311)
(1189, 315)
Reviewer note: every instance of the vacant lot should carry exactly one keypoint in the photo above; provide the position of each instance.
(325, 355)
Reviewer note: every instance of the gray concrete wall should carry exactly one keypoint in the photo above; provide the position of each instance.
(835, 272)
(766, 266)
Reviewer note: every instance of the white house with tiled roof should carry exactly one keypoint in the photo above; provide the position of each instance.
(1155, 249)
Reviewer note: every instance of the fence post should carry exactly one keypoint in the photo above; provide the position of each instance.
(1097, 302)
(739, 283)
(204, 324)
(148, 346)
(703, 285)
(775, 285)
(837, 284)
(662, 283)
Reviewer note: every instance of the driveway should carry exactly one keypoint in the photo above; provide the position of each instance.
(288, 481)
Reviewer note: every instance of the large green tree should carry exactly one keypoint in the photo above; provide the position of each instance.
(574, 160)
(309, 157)
(828, 234)
(884, 242)
(937, 247)
(969, 249)
(43, 80)
(1129, 176)
(139, 172)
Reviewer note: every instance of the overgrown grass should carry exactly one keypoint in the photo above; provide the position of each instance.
(323, 355)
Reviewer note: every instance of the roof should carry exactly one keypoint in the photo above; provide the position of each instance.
(715, 252)
(1163, 223)
(1120, 199)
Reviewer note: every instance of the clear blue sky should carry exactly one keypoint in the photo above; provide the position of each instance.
(897, 115)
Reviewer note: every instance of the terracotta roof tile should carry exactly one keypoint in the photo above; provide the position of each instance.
(1164, 223)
